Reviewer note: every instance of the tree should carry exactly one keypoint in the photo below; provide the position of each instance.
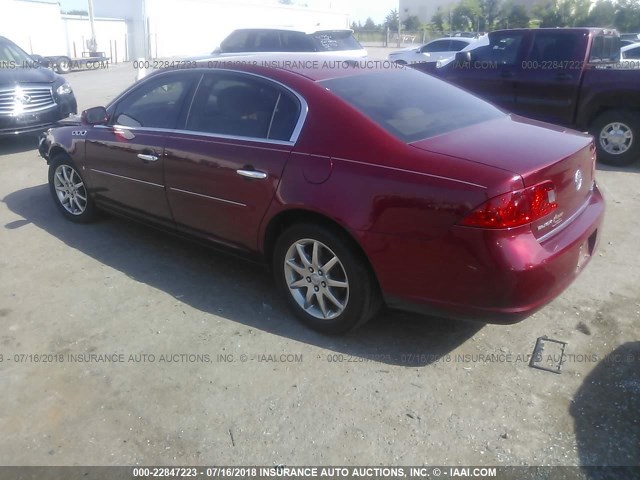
(412, 23)
(391, 20)
(369, 24)
(602, 14)
(627, 16)
(465, 16)
(437, 21)
(490, 12)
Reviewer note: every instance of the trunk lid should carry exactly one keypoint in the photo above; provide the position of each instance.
(535, 151)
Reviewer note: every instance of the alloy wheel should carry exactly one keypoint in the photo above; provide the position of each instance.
(70, 190)
(316, 278)
(616, 138)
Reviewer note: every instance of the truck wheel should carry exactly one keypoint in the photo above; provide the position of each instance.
(63, 64)
(617, 137)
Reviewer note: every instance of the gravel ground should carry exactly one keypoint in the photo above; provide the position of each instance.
(203, 379)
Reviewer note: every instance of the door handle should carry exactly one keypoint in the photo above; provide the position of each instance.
(255, 174)
(507, 74)
(148, 158)
(563, 76)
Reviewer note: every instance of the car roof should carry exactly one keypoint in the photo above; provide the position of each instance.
(314, 67)
(462, 39)
(630, 47)
(288, 28)
(591, 30)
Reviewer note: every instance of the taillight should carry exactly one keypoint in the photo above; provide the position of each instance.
(514, 209)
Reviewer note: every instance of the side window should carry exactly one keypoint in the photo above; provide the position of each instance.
(296, 42)
(437, 46)
(554, 47)
(235, 42)
(633, 53)
(267, 41)
(457, 45)
(154, 104)
(243, 106)
(502, 50)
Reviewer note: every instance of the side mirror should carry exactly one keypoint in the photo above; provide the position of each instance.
(95, 116)
(463, 57)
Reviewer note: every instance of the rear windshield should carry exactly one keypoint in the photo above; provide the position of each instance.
(412, 105)
(335, 41)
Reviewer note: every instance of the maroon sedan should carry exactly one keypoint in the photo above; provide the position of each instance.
(359, 187)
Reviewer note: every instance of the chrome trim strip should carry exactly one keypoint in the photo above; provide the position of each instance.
(304, 107)
(200, 134)
(125, 178)
(566, 223)
(207, 197)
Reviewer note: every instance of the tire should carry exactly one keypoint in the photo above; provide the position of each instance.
(617, 137)
(63, 64)
(69, 192)
(354, 286)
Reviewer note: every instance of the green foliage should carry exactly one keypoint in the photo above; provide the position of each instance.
(486, 15)
(391, 20)
(369, 24)
(412, 23)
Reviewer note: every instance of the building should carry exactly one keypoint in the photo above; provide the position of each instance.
(131, 29)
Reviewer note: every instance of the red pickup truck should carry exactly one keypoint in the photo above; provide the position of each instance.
(566, 76)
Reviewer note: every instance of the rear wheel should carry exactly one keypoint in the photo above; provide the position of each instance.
(325, 280)
(69, 191)
(617, 136)
(63, 64)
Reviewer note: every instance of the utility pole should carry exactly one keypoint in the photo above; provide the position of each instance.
(92, 44)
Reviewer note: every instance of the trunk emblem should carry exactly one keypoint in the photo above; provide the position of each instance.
(578, 179)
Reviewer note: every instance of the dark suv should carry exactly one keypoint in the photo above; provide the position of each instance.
(284, 40)
(32, 97)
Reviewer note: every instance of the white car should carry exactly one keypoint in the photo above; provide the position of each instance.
(630, 56)
(631, 52)
(431, 52)
(249, 41)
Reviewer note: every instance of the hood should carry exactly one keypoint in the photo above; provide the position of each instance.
(26, 75)
(513, 143)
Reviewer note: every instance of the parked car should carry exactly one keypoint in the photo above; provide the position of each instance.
(357, 186)
(630, 52)
(433, 51)
(280, 40)
(32, 97)
(564, 76)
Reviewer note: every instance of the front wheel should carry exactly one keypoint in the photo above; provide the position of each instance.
(617, 137)
(69, 191)
(325, 280)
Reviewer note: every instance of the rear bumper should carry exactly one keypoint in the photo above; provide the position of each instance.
(500, 276)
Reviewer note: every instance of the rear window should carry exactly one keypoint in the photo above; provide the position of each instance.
(605, 48)
(335, 41)
(412, 105)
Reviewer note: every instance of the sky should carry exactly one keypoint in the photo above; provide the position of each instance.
(359, 9)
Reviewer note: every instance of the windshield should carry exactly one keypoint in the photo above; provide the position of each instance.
(335, 41)
(412, 105)
(12, 56)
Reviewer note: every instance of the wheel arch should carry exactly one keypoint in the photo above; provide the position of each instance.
(287, 218)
